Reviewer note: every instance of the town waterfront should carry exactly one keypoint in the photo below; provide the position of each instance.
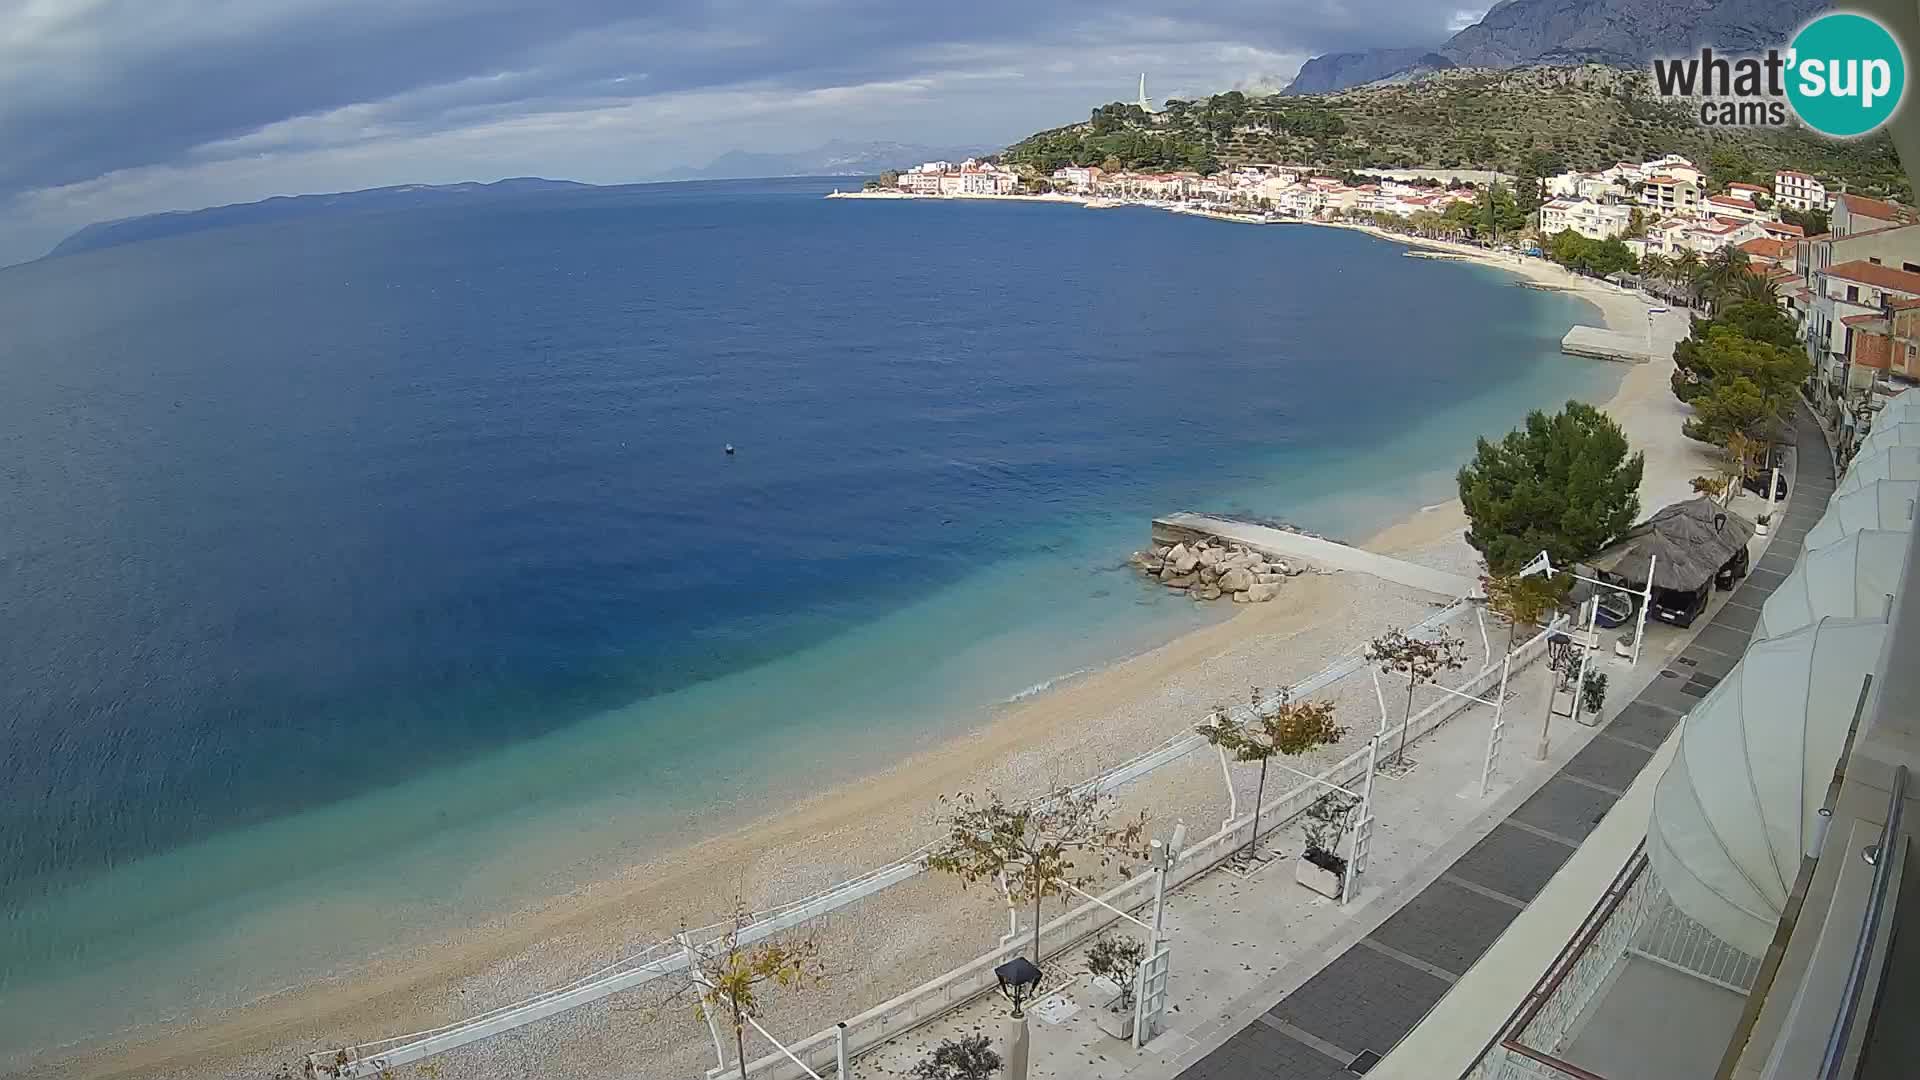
(372, 578)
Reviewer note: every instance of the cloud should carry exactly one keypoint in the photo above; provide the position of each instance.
(116, 107)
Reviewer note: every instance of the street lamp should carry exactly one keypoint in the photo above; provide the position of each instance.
(1019, 977)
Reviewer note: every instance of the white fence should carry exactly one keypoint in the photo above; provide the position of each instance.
(935, 997)
(932, 999)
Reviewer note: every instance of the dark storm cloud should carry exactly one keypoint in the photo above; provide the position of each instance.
(89, 87)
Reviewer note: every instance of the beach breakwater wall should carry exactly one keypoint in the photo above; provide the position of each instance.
(959, 986)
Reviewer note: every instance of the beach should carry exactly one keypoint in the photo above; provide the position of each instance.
(887, 943)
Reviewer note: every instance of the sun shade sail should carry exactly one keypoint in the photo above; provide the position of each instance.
(1891, 463)
(1848, 579)
(1888, 432)
(1739, 803)
(1883, 504)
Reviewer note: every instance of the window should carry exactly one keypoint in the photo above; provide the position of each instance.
(1853, 293)
(1874, 259)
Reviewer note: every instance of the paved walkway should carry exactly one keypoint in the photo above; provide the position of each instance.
(1343, 1019)
(1328, 554)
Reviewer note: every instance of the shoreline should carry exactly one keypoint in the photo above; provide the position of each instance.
(1065, 731)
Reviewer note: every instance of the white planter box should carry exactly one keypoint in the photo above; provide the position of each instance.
(1117, 1024)
(1323, 881)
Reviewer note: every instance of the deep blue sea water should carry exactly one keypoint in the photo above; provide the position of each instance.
(360, 577)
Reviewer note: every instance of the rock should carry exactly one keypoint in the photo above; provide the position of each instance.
(1239, 598)
(1208, 592)
(1179, 581)
(1280, 567)
(1256, 567)
(1236, 580)
(1209, 575)
(1147, 561)
(1160, 551)
(1182, 560)
(1269, 579)
(1210, 556)
(1291, 570)
(1260, 594)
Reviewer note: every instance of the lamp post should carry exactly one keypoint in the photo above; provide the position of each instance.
(1018, 977)
(1651, 312)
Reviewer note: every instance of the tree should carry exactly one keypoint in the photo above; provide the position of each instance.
(1813, 221)
(1563, 484)
(970, 1057)
(1420, 660)
(1722, 273)
(1585, 255)
(1521, 599)
(1032, 847)
(1741, 385)
(729, 976)
(1117, 959)
(1285, 727)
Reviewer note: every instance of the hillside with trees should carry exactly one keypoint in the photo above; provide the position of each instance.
(1542, 119)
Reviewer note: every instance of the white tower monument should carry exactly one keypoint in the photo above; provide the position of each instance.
(1145, 105)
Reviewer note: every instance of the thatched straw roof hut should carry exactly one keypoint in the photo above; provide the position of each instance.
(1687, 543)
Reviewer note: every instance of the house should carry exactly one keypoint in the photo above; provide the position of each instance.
(1591, 220)
(1668, 194)
(1854, 214)
(1780, 230)
(1798, 190)
(1769, 252)
(1733, 207)
(1675, 166)
(1842, 292)
(1746, 193)
(1078, 177)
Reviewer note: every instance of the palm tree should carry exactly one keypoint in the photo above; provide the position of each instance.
(1687, 275)
(1722, 272)
(1655, 267)
(1756, 287)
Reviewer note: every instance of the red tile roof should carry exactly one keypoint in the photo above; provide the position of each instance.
(1856, 320)
(1767, 248)
(1880, 277)
(1783, 227)
(1877, 209)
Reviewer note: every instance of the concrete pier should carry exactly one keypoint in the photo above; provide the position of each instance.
(1326, 554)
(1605, 345)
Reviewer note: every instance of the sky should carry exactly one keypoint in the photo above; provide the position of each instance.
(112, 108)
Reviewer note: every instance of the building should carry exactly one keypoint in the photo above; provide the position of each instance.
(1780, 230)
(1747, 193)
(1798, 190)
(1673, 165)
(1669, 194)
(1592, 220)
(1842, 294)
(1078, 177)
(1855, 214)
(1769, 252)
(1732, 206)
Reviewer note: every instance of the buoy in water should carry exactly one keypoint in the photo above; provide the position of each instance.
(729, 449)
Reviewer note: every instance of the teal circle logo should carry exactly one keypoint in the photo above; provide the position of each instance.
(1846, 74)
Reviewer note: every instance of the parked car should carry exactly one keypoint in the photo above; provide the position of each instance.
(1757, 483)
(1679, 608)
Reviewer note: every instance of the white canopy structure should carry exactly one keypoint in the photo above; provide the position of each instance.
(1887, 431)
(1891, 463)
(1849, 579)
(1882, 504)
(1900, 407)
(1739, 804)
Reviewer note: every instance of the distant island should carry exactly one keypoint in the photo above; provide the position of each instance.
(107, 234)
(837, 158)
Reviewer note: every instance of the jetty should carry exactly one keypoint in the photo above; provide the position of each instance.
(1606, 345)
(1280, 543)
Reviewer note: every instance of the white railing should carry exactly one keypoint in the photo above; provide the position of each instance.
(935, 997)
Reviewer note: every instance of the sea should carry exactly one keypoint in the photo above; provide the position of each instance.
(366, 576)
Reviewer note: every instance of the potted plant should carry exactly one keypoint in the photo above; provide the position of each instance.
(970, 1057)
(1321, 867)
(1116, 960)
(1763, 524)
(1593, 692)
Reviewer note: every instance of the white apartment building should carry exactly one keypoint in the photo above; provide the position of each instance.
(1798, 190)
(1078, 177)
(1666, 193)
(1592, 220)
(1733, 207)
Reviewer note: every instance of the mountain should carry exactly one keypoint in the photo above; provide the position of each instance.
(837, 158)
(106, 234)
(1337, 71)
(1620, 33)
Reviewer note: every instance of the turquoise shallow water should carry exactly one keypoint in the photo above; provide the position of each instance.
(358, 595)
